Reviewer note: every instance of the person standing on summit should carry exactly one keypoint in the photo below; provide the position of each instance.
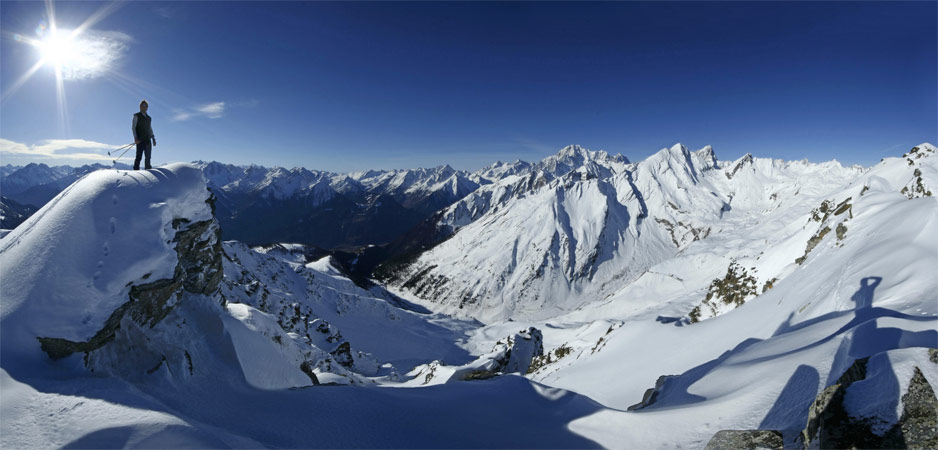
(143, 135)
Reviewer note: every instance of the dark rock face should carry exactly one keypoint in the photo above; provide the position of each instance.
(198, 271)
(651, 394)
(745, 439)
(518, 352)
(307, 368)
(733, 289)
(343, 355)
(830, 426)
(200, 260)
(918, 425)
(522, 348)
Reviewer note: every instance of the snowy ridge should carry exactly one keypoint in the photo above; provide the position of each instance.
(281, 183)
(120, 224)
(595, 228)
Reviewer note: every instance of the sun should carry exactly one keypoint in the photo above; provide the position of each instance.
(77, 54)
(73, 54)
(57, 50)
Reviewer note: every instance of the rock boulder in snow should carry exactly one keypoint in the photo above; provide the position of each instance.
(852, 413)
(745, 440)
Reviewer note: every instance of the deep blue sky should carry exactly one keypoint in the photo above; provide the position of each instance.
(349, 86)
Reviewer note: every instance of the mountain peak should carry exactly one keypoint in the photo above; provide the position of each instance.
(572, 150)
(676, 151)
(921, 150)
(678, 147)
(706, 158)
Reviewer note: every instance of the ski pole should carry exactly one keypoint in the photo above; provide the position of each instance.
(120, 148)
(122, 154)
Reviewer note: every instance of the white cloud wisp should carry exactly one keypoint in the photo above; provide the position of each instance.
(214, 110)
(75, 149)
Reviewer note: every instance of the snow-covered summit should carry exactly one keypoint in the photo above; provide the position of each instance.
(73, 263)
(571, 157)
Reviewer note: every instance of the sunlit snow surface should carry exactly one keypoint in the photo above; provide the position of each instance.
(758, 366)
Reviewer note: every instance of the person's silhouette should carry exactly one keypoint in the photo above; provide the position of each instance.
(864, 296)
(143, 135)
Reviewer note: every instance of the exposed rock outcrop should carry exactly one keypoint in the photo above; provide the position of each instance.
(918, 425)
(512, 355)
(541, 361)
(726, 293)
(523, 347)
(745, 439)
(651, 394)
(343, 355)
(828, 421)
(831, 425)
(198, 271)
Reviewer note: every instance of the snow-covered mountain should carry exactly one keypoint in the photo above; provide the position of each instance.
(667, 303)
(329, 209)
(581, 225)
(13, 213)
(35, 184)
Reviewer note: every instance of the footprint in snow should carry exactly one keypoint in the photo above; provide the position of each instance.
(113, 225)
(100, 264)
(107, 249)
(114, 198)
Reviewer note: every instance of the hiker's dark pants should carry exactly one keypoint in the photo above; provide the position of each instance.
(145, 146)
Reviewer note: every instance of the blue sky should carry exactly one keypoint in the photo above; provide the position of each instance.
(351, 86)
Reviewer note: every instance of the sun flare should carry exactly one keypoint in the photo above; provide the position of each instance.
(77, 55)
(74, 54)
(57, 50)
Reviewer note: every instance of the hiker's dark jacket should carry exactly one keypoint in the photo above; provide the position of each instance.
(141, 127)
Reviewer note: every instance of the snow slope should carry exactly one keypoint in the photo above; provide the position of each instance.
(868, 293)
(69, 266)
(188, 364)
